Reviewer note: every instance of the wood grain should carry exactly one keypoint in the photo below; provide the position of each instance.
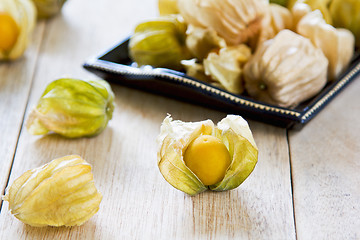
(15, 82)
(138, 203)
(325, 161)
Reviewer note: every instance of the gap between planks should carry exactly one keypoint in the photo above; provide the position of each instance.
(41, 25)
(291, 180)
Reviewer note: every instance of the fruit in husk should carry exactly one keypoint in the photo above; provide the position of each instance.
(198, 156)
(72, 108)
(17, 21)
(208, 158)
(60, 193)
(159, 42)
(286, 70)
(9, 32)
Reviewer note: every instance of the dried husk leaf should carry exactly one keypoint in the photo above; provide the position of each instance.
(60, 193)
(73, 108)
(337, 44)
(24, 14)
(226, 67)
(281, 18)
(201, 41)
(235, 21)
(298, 11)
(235, 132)
(196, 70)
(174, 138)
(277, 19)
(322, 5)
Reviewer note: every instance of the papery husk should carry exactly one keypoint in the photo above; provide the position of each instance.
(298, 11)
(173, 140)
(24, 14)
(281, 18)
(201, 41)
(60, 193)
(196, 70)
(286, 70)
(235, 132)
(234, 21)
(72, 108)
(175, 137)
(277, 19)
(337, 44)
(322, 5)
(226, 67)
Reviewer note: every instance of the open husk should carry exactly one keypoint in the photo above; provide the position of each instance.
(175, 136)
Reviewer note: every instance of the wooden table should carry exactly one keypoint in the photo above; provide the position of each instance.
(306, 184)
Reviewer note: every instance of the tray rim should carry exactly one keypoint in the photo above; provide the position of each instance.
(296, 116)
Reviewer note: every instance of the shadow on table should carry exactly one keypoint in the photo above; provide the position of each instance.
(230, 214)
(85, 231)
(53, 146)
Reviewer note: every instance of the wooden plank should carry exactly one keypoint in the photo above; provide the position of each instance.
(137, 200)
(15, 81)
(63, 35)
(325, 166)
(138, 203)
(261, 208)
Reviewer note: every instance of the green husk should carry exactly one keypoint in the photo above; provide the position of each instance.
(73, 108)
(159, 43)
(346, 14)
(48, 8)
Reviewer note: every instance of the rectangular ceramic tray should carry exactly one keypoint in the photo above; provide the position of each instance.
(115, 66)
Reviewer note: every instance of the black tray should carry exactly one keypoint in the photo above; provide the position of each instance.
(116, 66)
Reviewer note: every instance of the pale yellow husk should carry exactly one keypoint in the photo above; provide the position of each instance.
(286, 70)
(60, 193)
(337, 44)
